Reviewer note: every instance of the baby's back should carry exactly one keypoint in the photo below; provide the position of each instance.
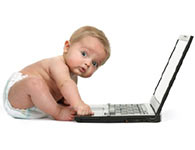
(40, 69)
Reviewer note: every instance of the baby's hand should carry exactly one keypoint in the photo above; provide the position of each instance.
(83, 109)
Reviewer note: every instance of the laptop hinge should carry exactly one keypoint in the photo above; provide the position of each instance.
(154, 103)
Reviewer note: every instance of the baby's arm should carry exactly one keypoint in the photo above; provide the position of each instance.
(60, 73)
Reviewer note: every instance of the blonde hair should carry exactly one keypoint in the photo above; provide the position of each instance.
(93, 32)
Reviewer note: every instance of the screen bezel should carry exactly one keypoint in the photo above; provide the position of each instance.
(158, 104)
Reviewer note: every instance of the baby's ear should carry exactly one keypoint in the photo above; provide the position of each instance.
(66, 46)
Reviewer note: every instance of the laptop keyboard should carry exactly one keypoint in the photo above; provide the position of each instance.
(127, 109)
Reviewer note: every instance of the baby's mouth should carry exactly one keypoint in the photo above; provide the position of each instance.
(82, 70)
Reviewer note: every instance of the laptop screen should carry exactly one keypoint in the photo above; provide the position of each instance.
(169, 73)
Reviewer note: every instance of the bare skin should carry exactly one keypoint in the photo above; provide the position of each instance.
(52, 79)
(40, 90)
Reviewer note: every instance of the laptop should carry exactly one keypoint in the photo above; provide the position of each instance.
(146, 112)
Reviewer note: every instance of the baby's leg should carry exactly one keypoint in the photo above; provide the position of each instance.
(63, 102)
(33, 91)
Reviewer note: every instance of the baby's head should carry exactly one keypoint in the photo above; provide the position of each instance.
(87, 49)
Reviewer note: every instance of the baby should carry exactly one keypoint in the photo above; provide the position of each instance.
(49, 87)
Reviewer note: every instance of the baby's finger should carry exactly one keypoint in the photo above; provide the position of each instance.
(73, 112)
(92, 113)
(81, 112)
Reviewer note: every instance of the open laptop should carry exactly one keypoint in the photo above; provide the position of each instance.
(147, 112)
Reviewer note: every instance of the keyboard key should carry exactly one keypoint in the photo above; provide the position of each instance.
(125, 109)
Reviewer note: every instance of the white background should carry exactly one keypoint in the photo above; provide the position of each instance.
(142, 35)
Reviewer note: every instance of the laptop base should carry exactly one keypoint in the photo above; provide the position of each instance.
(117, 119)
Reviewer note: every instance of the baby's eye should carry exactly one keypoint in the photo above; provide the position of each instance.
(95, 63)
(84, 53)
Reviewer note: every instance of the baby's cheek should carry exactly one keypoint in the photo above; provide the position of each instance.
(92, 73)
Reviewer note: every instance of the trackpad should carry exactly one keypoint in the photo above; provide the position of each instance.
(100, 110)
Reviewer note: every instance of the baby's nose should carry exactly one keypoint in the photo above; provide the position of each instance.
(88, 62)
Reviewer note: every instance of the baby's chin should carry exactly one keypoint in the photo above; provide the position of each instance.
(85, 75)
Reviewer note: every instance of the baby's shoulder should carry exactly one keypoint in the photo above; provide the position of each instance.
(57, 62)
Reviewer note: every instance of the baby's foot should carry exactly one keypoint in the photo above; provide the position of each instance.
(66, 113)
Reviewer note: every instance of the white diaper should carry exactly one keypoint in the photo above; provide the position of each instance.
(29, 113)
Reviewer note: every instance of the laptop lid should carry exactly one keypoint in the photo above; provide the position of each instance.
(170, 72)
